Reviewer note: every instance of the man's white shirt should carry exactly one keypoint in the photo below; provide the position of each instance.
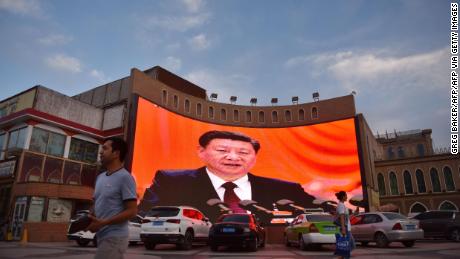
(243, 189)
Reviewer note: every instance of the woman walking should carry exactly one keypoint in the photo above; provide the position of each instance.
(344, 240)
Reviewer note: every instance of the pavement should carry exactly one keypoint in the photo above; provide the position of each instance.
(70, 250)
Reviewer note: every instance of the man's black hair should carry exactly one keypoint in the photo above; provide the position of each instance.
(216, 134)
(119, 144)
(340, 195)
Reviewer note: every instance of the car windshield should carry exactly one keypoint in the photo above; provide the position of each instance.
(317, 218)
(163, 212)
(392, 216)
(235, 218)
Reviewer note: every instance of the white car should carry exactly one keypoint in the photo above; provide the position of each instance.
(180, 225)
(83, 238)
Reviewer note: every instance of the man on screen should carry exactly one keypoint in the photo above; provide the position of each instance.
(228, 157)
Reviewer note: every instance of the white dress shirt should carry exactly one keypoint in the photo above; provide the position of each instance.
(243, 189)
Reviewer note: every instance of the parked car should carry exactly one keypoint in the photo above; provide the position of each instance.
(180, 225)
(238, 229)
(311, 229)
(384, 228)
(83, 238)
(441, 224)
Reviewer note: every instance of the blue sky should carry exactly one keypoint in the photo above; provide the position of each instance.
(393, 54)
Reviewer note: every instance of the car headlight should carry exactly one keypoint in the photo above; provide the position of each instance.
(247, 230)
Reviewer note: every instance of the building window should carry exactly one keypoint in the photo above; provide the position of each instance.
(187, 105)
(248, 116)
(400, 152)
(301, 115)
(211, 112)
(381, 183)
(391, 153)
(198, 109)
(47, 142)
(314, 113)
(82, 150)
(223, 114)
(17, 138)
(447, 205)
(288, 115)
(448, 179)
(52, 172)
(420, 181)
(418, 208)
(435, 180)
(261, 117)
(274, 116)
(420, 150)
(408, 183)
(165, 97)
(236, 115)
(393, 184)
(176, 101)
(36, 209)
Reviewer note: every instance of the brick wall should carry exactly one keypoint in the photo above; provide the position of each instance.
(46, 231)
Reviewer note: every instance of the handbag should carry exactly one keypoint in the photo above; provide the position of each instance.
(342, 245)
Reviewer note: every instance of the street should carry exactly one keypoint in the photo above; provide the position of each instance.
(70, 250)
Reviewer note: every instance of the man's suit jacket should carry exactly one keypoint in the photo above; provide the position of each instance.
(194, 188)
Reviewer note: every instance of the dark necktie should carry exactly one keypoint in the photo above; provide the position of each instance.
(231, 199)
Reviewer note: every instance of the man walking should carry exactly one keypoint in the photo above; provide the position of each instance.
(114, 201)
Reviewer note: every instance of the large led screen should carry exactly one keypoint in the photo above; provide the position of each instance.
(322, 158)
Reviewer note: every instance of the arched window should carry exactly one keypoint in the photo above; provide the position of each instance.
(301, 115)
(418, 208)
(448, 179)
(211, 112)
(198, 109)
(408, 183)
(391, 153)
(261, 116)
(165, 97)
(393, 184)
(288, 115)
(236, 115)
(435, 180)
(314, 113)
(176, 101)
(381, 183)
(187, 105)
(248, 116)
(447, 205)
(401, 152)
(420, 181)
(274, 116)
(420, 149)
(223, 114)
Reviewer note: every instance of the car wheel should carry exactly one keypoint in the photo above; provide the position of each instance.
(187, 241)
(454, 235)
(83, 242)
(381, 240)
(252, 247)
(214, 247)
(302, 244)
(409, 243)
(364, 243)
(149, 245)
(286, 241)
(95, 242)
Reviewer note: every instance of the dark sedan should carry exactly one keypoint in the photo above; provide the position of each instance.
(441, 224)
(242, 230)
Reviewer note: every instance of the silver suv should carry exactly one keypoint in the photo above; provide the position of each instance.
(180, 225)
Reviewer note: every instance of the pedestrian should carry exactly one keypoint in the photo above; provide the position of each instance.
(344, 240)
(114, 202)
